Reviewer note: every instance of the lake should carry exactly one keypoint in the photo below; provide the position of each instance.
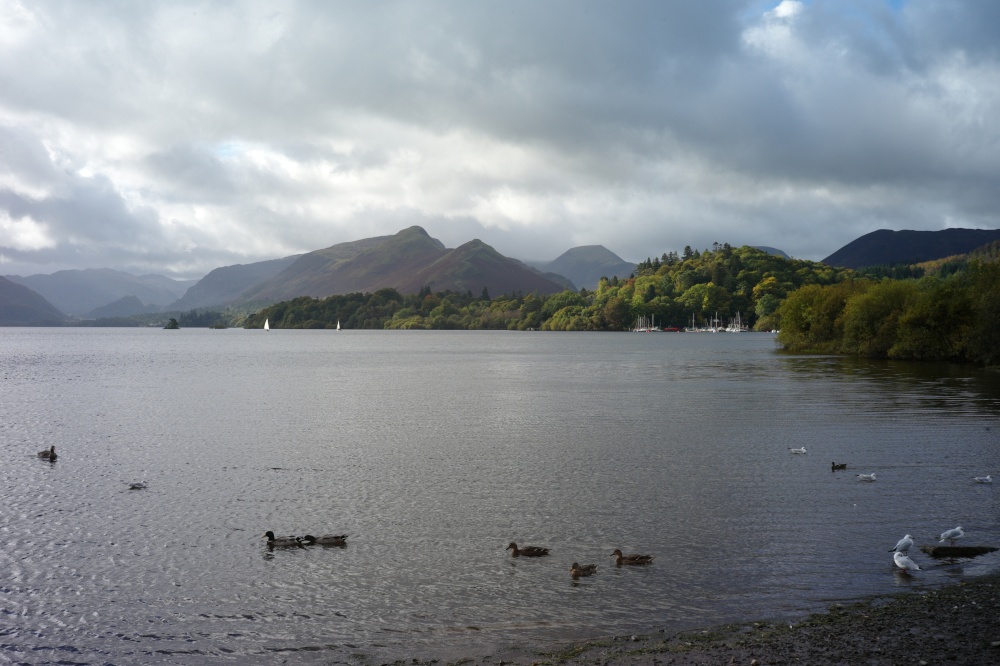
(433, 450)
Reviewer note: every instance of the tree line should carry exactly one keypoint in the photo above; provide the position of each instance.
(672, 289)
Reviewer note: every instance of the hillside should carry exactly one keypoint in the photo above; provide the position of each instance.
(226, 285)
(587, 264)
(406, 261)
(475, 265)
(77, 292)
(885, 247)
(20, 306)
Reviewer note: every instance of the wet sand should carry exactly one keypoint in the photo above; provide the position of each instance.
(958, 624)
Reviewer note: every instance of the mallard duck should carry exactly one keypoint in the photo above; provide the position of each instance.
(49, 454)
(952, 535)
(835, 466)
(630, 559)
(282, 541)
(326, 540)
(527, 551)
(578, 570)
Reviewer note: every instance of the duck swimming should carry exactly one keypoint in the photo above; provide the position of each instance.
(527, 551)
(630, 559)
(49, 454)
(325, 540)
(835, 466)
(578, 570)
(282, 541)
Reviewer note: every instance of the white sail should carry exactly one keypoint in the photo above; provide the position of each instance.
(267, 326)
(338, 324)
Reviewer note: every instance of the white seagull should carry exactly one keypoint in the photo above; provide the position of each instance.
(903, 545)
(952, 535)
(983, 479)
(867, 477)
(904, 562)
(798, 450)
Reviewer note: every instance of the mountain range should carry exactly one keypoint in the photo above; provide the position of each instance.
(406, 261)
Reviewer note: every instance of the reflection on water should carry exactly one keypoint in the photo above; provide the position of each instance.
(434, 450)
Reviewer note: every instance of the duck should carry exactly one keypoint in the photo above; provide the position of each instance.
(325, 540)
(835, 466)
(903, 545)
(578, 570)
(49, 454)
(904, 562)
(282, 541)
(866, 477)
(630, 559)
(952, 535)
(137, 485)
(527, 551)
(801, 449)
(983, 479)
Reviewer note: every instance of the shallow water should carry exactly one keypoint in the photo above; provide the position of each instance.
(434, 450)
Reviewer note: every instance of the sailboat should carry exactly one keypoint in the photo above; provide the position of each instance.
(338, 324)
(267, 326)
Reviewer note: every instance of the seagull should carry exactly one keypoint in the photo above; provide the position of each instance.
(952, 535)
(904, 562)
(801, 449)
(867, 477)
(983, 479)
(903, 545)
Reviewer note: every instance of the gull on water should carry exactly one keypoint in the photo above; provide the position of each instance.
(904, 562)
(867, 477)
(903, 545)
(952, 535)
(801, 449)
(983, 479)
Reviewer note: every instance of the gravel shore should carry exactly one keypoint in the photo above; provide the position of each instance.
(959, 624)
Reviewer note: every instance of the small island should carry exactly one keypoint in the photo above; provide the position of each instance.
(172, 325)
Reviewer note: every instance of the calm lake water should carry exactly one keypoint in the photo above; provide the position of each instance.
(433, 451)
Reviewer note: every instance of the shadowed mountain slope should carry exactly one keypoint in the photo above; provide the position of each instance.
(227, 284)
(886, 247)
(20, 306)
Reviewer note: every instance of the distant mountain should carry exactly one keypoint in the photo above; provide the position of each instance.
(886, 247)
(77, 292)
(406, 261)
(587, 264)
(20, 306)
(226, 285)
(123, 307)
(772, 251)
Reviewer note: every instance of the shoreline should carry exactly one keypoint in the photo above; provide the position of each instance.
(957, 624)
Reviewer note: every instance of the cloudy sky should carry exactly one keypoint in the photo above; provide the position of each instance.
(176, 137)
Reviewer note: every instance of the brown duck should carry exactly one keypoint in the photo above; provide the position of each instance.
(527, 551)
(578, 570)
(630, 559)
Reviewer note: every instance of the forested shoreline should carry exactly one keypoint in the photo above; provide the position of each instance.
(671, 290)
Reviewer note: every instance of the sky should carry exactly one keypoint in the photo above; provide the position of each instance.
(175, 137)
